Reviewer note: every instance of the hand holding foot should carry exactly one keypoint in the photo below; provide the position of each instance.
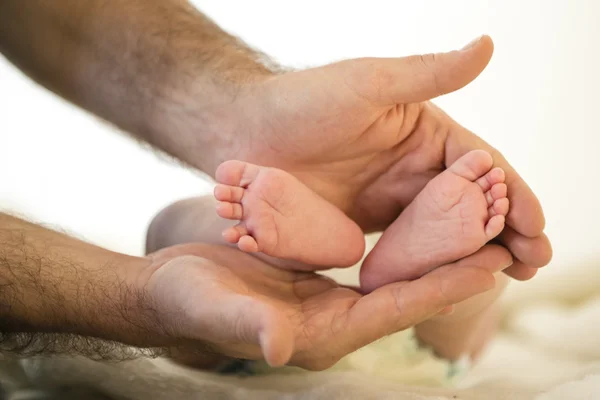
(362, 135)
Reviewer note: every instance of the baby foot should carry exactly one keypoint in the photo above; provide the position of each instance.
(456, 214)
(281, 217)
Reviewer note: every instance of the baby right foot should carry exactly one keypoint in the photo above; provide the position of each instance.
(456, 214)
(281, 217)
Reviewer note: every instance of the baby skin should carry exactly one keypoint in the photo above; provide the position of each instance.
(456, 214)
(281, 217)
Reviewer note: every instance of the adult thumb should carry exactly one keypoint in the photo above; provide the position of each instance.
(263, 324)
(423, 77)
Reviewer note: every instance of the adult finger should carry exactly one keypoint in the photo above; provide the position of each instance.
(243, 322)
(398, 306)
(531, 253)
(534, 252)
(388, 81)
(520, 271)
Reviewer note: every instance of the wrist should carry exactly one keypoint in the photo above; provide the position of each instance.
(53, 283)
(206, 121)
(97, 296)
(112, 304)
(196, 114)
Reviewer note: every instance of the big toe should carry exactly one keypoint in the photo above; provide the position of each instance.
(494, 226)
(236, 173)
(472, 165)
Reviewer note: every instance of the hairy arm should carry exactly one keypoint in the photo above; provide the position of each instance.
(135, 63)
(53, 284)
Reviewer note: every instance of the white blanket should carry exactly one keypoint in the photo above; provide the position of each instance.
(548, 348)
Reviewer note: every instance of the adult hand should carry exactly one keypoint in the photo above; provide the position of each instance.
(359, 132)
(219, 299)
(362, 134)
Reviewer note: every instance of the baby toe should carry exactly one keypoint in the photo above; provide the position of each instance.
(494, 226)
(493, 177)
(500, 207)
(499, 191)
(230, 210)
(248, 244)
(472, 165)
(236, 173)
(231, 235)
(228, 193)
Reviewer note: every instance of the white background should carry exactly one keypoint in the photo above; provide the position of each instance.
(536, 102)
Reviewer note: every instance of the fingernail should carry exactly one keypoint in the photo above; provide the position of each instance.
(472, 43)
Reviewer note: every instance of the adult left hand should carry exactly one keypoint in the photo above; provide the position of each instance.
(221, 301)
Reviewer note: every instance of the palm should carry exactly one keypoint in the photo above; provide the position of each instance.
(227, 300)
(305, 299)
(335, 141)
(352, 161)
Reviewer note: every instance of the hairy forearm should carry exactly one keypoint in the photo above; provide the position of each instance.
(53, 284)
(139, 64)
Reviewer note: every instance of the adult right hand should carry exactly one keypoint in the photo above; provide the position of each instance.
(363, 135)
(226, 302)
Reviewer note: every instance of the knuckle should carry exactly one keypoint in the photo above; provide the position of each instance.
(425, 63)
(427, 60)
(402, 323)
(380, 78)
(321, 364)
(368, 78)
(441, 292)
